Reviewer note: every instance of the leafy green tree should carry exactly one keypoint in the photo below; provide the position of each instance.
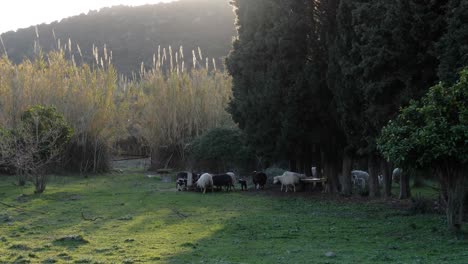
(433, 133)
(36, 144)
(384, 57)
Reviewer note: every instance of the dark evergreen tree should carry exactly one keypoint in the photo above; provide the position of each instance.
(385, 56)
(267, 63)
(453, 48)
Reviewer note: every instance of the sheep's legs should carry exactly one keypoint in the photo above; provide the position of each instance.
(294, 187)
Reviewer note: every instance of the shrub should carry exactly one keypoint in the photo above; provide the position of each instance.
(224, 149)
(36, 144)
(422, 205)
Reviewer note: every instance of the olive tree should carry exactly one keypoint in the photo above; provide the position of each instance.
(433, 133)
(35, 144)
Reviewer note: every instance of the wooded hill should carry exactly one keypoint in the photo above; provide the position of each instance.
(133, 34)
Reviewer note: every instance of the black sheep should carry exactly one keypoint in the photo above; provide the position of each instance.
(243, 183)
(222, 180)
(259, 180)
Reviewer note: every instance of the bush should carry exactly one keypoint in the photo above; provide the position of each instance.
(422, 205)
(86, 154)
(223, 149)
(36, 144)
(6, 152)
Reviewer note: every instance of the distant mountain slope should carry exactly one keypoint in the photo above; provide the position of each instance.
(134, 33)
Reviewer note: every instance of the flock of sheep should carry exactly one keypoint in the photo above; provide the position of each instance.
(188, 180)
(360, 179)
(288, 180)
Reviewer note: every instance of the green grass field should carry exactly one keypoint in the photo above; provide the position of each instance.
(142, 220)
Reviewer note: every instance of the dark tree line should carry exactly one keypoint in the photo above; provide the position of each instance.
(318, 80)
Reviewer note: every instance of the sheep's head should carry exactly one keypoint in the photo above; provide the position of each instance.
(275, 180)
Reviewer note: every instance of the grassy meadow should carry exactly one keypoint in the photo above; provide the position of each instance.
(130, 218)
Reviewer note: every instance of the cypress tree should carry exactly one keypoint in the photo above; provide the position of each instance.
(384, 56)
(266, 61)
(453, 48)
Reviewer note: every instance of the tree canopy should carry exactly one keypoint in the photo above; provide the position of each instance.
(433, 133)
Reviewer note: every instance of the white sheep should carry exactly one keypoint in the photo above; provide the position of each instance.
(360, 178)
(396, 175)
(288, 178)
(205, 181)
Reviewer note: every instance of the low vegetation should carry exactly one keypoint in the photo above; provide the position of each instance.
(130, 218)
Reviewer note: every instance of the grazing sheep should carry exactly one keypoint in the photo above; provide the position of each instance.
(243, 183)
(259, 180)
(182, 180)
(396, 175)
(360, 178)
(222, 180)
(185, 180)
(205, 181)
(380, 179)
(288, 178)
(181, 184)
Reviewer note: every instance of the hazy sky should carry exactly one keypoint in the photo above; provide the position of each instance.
(15, 14)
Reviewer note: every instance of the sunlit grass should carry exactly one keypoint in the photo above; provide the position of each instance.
(142, 220)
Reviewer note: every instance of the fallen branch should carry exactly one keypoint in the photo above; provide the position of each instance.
(90, 219)
(12, 206)
(179, 213)
(22, 209)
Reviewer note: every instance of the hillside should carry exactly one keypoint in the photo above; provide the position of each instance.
(134, 33)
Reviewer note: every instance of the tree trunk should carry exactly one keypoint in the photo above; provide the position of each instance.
(40, 183)
(387, 178)
(346, 186)
(293, 165)
(308, 167)
(373, 166)
(331, 173)
(21, 177)
(456, 196)
(320, 164)
(95, 155)
(405, 190)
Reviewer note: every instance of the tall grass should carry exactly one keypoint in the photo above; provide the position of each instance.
(171, 105)
(164, 106)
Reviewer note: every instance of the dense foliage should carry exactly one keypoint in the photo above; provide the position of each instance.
(317, 80)
(132, 33)
(39, 121)
(384, 56)
(35, 145)
(271, 93)
(453, 51)
(433, 133)
(222, 149)
(165, 108)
